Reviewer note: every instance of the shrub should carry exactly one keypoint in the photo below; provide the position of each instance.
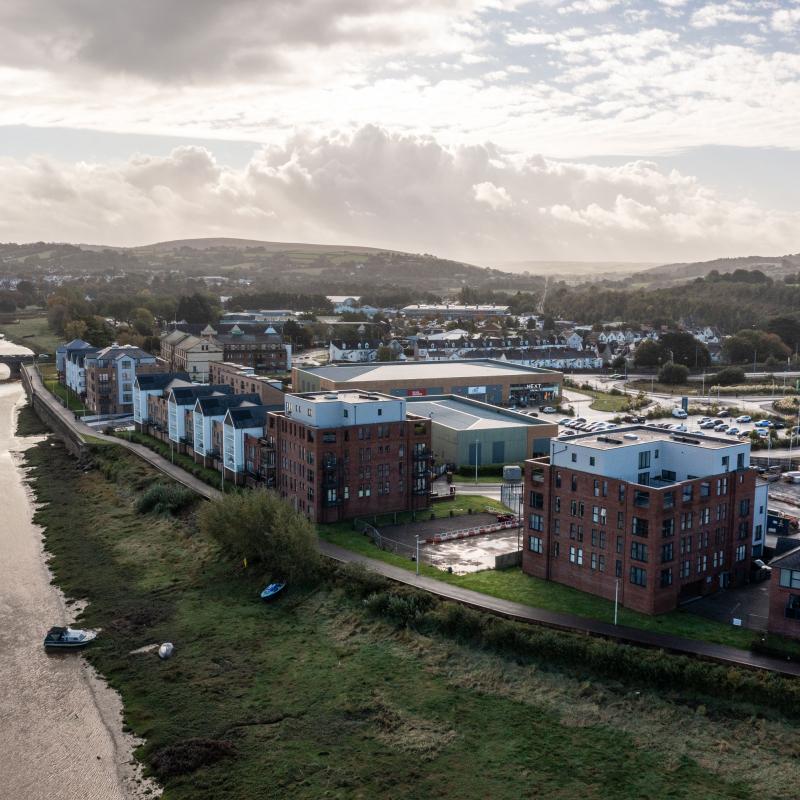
(164, 498)
(673, 374)
(358, 581)
(730, 376)
(401, 609)
(188, 755)
(259, 526)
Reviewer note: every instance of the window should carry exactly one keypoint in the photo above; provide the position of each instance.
(535, 544)
(574, 483)
(668, 475)
(686, 568)
(576, 556)
(740, 461)
(557, 527)
(596, 488)
(668, 528)
(558, 480)
(667, 552)
(666, 577)
(619, 544)
(638, 576)
(686, 544)
(537, 474)
(574, 457)
(702, 563)
(591, 461)
(639, 551)
(741, 552)
(705, 489)
(705, 516)
(644, 478)
(536, 522)
(790, 578)
(644, 459)
(594, 537)
(556, 549)
(595, 513)
(618, 569)
(537, 500)
(605, 488)
(639, 526)
(687, 520)
(744, 507)
(593, 563)
(602, 540)
(687, 493)
(557, 505)
(722, 486)
(669, 500)
(601, 563)
(620, 520)
(641, 499)
(621, 492)
(726, 462)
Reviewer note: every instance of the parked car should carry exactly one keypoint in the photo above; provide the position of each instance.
(709, 423)
(761, 570)
(680, 428)
(763, 433)
(580, 419)
(778, 425)
(548, 410)
(565, 421)
(721, 427)
(762, 423)
(679, 413)
(732, 431)
(744, 418)
(725, 413)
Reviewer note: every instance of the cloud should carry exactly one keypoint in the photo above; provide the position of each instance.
(373, 187)
(212, 41)
(786, 20)
(715, 13)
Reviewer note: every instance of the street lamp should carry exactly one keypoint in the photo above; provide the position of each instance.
(477, 445)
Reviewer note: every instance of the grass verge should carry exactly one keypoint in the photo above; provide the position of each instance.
(316, 696)
(32, 332)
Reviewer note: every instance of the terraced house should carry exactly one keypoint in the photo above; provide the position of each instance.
(657, 517)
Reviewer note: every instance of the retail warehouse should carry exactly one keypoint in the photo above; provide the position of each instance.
(485, 380)
(461, 426)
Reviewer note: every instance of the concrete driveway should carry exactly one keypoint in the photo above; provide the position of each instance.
(748, 603)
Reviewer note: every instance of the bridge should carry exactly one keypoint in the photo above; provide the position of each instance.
(15, 362)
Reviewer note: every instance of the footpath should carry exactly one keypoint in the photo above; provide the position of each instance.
(477, 600)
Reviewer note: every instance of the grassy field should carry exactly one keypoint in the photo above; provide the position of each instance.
(49, 375)
(314, 697)
(604, 401)
(513, 585)
(32, 332)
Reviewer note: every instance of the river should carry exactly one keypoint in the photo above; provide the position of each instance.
(60, 725)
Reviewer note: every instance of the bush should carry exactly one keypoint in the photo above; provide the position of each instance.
(259, 526)
(190, 754)
(402, 609)
(730, 376)
(673, 374)
(358, 581)
(165, 498)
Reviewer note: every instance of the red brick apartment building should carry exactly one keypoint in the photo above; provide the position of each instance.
(243, 380)
(340, 455)
(663, 517)
(784, 594)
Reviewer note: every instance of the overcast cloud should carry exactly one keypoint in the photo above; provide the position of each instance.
(425, 126)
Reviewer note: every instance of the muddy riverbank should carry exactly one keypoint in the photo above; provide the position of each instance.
(60, 725)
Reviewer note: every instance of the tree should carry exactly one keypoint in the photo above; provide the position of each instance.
(787, 328)
(685, 349)
(618, 363)
(384, 353)
(648, 354)
(750, 345)
(260, 527)
(673, 374)
(730, 376)
(195, 308)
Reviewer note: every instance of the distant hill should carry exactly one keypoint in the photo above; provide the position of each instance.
(254, 244)
(774, 266)
(574, 271)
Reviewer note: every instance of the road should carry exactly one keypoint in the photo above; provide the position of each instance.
(483, 602)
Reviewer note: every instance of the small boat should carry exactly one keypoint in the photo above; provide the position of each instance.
(68, 638)
(272, 590)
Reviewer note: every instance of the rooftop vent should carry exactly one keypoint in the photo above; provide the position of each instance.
(609, 440)
(331, 397)
(631, 436)
(685, 439)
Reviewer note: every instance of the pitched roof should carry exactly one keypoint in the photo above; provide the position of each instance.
(248, 416)
(187, 395)
(217, 404)
(789, 560)
(161, 380)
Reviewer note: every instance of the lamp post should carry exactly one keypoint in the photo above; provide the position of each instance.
(477, 445)
(616, 599)
(416, 538)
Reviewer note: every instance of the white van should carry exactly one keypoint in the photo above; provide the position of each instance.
(679, 413)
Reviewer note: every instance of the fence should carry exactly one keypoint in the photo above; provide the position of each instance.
(466, 533)
(391, 545)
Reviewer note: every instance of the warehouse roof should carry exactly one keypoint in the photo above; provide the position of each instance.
(463, 414)
(467, 369)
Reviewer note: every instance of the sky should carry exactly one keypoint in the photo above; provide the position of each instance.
(485, 130)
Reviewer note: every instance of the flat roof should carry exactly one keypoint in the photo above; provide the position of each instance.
(633, 435)
(462, 414)
(345, 396)
(468, 369)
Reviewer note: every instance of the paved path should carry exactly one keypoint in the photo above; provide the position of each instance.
(483, 602)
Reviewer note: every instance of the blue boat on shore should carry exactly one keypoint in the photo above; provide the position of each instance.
(272, 591)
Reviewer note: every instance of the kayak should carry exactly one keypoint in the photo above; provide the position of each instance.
(68, 638)
(272, 590)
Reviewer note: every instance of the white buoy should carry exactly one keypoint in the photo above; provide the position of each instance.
(166, 650)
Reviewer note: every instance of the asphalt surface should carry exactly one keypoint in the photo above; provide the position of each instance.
(477, 600)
